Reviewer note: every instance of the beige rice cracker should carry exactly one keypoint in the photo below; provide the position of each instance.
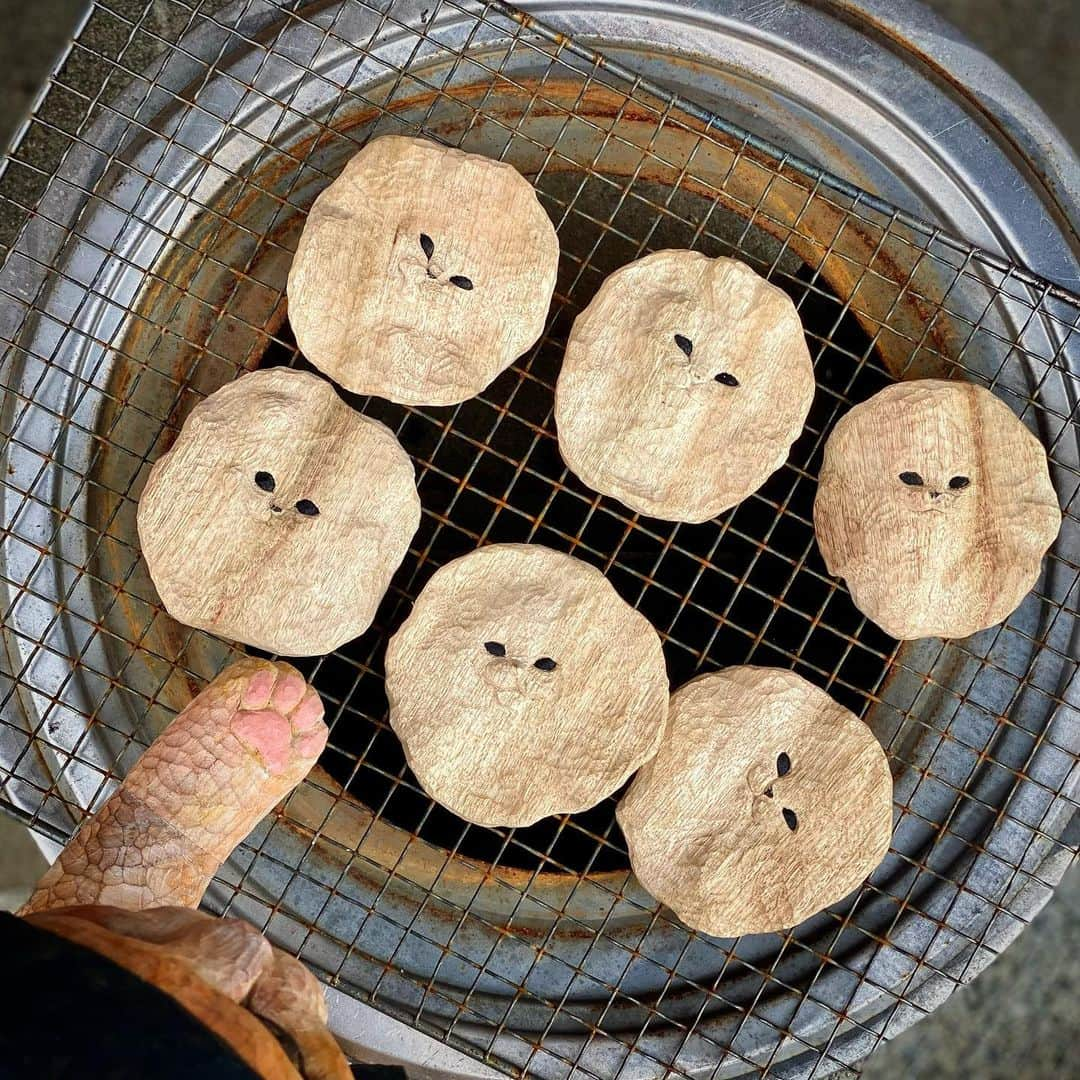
(522, 685)
(935, 505)
(279, 515)
(684, 384)
(766, 802)
(422, 272)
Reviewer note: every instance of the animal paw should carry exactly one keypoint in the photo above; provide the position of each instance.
(280, 718)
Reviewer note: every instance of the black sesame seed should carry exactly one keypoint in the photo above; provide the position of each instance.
(545, 663)
(685, 344)
(307, 508)
(783, 765)
(958, 483)
(726, 378)
(791, 819)
(264, 481)
(912, 479)
(427, 244)
(461, 282)
(496, 648)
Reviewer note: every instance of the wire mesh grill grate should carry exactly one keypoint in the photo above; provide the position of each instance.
(149, 210)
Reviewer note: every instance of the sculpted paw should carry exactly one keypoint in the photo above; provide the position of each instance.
(280, 719)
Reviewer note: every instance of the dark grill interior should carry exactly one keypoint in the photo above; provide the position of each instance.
(749, 587)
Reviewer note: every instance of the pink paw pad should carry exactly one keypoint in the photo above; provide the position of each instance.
(289, 690)
(309, 714)
(267, 733)
(256, 694)
(310, 746)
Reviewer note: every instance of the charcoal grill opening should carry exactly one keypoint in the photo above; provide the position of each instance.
(747, 588)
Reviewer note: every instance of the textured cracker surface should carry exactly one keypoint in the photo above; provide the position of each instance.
(926, 560)
(643, 421)
(493, 738)
(224, 554)
(704, 820)
(380, 315)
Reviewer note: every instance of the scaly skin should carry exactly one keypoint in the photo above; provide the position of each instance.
(239, 748)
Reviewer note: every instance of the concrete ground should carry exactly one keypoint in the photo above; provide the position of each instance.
(20, 864)
(1018, 1020)
(1038, 44)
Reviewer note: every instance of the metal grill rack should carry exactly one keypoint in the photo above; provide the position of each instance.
(149, 210)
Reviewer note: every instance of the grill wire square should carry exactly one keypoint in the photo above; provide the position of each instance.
(148, 214)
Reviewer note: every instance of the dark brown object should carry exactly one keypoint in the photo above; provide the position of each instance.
(170, 974)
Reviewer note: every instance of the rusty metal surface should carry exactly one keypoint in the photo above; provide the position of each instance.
(152, 271)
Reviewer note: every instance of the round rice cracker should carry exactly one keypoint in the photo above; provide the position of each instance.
(766, 802)
(422, 272)
(935, 505)
(522, 686)
(279, 515)
(684, 384)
